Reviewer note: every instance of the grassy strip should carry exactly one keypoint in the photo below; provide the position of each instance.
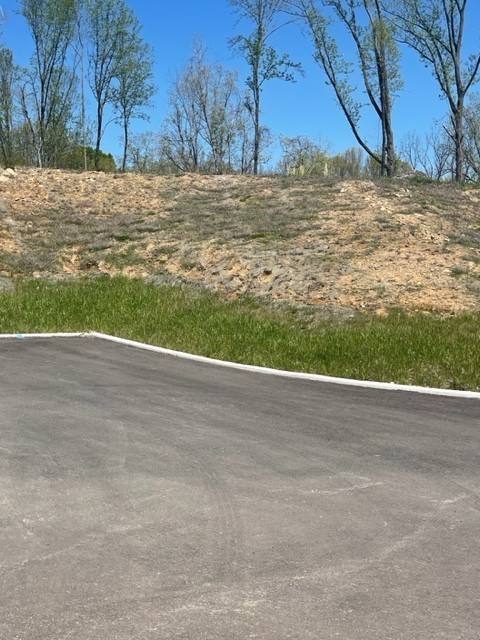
(423, 349)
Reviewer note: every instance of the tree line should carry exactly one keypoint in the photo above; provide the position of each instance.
(75, 42)
(215, 125)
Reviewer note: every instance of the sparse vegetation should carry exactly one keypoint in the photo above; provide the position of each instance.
(323, 242)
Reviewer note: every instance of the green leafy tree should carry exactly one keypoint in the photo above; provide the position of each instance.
(80, 51)
(378, 61)
(8, 77)
(75, 159)
(48, 85)
(435, 29)
(133, 87)
(108, 23)
(350, 164)
(263, 60)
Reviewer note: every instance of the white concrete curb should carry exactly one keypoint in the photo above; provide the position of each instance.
(367, 384)
(386, 386)
(21, 336)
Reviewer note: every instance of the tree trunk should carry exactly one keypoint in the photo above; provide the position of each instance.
(388, 143)
(84, 111)
(99, 138)
(458, 139)
(125, 145)
(256, 124)
(256, 143)
(389, 146)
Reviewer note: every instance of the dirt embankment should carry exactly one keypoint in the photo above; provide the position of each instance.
(335, 245)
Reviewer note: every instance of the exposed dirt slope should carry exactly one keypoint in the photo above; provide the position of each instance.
(342, 245)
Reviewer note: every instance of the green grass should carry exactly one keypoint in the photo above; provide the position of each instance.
(421, 349)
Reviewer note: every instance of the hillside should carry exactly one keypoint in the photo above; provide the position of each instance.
(336, 245)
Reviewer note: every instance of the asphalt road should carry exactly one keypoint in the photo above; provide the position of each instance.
(143, 496)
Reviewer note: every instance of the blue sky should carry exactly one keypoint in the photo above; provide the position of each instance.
(306, 107)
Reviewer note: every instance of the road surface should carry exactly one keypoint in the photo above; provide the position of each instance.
(144, 496)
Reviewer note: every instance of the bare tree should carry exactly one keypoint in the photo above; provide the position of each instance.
(378, 60)
(3, 17)
(214, 91)
(245, 149)
(414, 151)
(202, 130)
(472, 140)
(431, 154)
(144, 153)
(263, 60)
(435, 29)
(303, 156)
(181, 139)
